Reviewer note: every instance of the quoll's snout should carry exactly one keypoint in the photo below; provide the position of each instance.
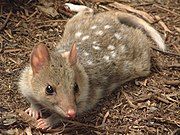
(71, 113)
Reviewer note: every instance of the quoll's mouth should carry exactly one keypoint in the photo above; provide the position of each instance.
(60, 111)
(71, 113)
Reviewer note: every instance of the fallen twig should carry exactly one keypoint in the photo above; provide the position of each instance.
(26, 118)
(145, 98)
(173, 94)
(161, 99)
(6, 21)
(35, 12)
(170, 11)
(165, 52)
(169, 121)
(163, 24)
(143, 14)
(32, 122)
(105, 117)
(174, 66)
(129, 100)
(172, 82)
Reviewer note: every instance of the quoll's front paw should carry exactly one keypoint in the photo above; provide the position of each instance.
(43, 124)
(34, 113)
(50, 122)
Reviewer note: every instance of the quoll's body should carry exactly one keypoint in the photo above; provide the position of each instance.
(97, 53)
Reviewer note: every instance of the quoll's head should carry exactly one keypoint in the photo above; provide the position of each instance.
(53, 79)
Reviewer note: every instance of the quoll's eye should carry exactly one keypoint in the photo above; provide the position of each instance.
(49, 90)
(76, 88)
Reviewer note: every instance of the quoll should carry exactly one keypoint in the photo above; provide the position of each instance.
(97, 53)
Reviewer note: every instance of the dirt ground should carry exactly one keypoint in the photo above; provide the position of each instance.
(145, 106)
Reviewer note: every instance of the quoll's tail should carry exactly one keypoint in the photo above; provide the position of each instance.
(136, 22)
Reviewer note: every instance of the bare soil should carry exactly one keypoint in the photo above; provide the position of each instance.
(145, 106)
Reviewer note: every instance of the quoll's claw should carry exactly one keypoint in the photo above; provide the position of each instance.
(43, 124)
(33, 113)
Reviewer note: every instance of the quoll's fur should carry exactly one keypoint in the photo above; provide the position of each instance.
(98, 52)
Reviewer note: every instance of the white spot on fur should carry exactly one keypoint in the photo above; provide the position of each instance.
(85, 38)
(105, 78)
(127, 65)
(99, 33)
(93, 27)
(118, 35)
(106, 58)
(96, 47)
(78, 34)
(78, 43)
(94, 42)
(113, 54)
(61, 51)
(107, 26)
(86, 54)
(122, 48)
(89, 62)
(111, 47)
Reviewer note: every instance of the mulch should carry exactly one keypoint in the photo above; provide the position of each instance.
(145, 106)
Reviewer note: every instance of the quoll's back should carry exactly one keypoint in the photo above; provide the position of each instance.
(111, 53)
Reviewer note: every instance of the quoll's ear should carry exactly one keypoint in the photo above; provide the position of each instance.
(73, 55)
(39, 57)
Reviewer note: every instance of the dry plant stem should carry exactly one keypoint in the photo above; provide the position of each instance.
(163, 24)
(162, 99)
(6, 21)
(172, 82)
(143, 99)
(145, 15)
(174, 66)
(172, 100)
(129, 100)
(143, 4)
(32, 123)
(166, 53)
(167, 120)
(104, 7)
(49, 21)
(105, 118)
(166, 10)
(166, 98)
(32, 14)
(26, 118)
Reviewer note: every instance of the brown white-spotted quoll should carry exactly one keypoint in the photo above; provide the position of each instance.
(97, 53)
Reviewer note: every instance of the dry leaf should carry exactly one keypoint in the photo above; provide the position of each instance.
(143, 14)
(163, 24)
(48, 11)
(26, 118)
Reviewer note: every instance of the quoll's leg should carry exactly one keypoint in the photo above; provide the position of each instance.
(77, 8)
(50, 122)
